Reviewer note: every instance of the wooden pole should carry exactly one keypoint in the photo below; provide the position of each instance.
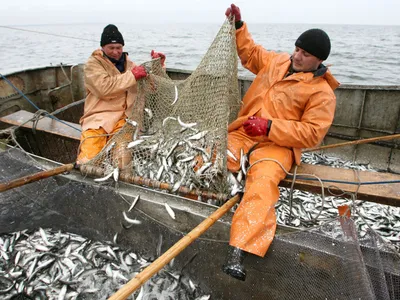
(95, 171)
(172, 252)
(363, 141)
(35, 177)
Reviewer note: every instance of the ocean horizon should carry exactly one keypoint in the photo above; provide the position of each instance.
(360, 54)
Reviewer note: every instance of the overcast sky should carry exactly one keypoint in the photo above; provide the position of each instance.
(26, 12)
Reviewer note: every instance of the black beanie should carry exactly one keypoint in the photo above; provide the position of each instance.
(315, 42)
(111, 35)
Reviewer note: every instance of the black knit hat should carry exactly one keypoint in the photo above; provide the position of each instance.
(315, 42)
(111, 35)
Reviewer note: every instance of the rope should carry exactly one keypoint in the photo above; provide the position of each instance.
(19, 92)
(34, 105)
(313, 220)
(36, 117)
(301, 204)
(46, 33)
(349, 182)
(65, 74)
(57, 111)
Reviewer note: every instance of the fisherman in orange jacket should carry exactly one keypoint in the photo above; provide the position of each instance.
(289, 106)
(110, 80)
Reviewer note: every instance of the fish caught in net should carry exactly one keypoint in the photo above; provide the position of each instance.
(177, 132)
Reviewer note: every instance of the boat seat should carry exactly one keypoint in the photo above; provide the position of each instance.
(380, 193)
(46, 124)
(383, 193)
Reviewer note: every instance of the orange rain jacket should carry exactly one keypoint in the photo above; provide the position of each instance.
(110, 94)
(301, 108)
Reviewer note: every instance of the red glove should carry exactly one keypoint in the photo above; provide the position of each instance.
(235, 11)
(139, 72)
(158, 55)
(255, 126)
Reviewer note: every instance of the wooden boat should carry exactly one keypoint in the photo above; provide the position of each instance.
(298, 264)
(362, 112)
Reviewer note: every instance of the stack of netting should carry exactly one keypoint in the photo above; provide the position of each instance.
(178, 129)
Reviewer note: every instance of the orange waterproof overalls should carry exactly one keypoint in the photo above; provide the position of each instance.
(301, 108)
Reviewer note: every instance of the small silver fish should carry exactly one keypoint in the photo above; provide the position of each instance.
(149, 112)
(198, 135)
(169, 210)
(134, 202)
(230, 154)
(131, 221)
(105, 177)
(116, 174)
(167, 119)
(185, 125)
(134, 143)
(176, 96)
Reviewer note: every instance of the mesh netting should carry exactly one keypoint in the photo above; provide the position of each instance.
(178, 129)
(333, 261)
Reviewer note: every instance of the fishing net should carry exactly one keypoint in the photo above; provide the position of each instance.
(330, 261)
(333, 261)
(177, 133)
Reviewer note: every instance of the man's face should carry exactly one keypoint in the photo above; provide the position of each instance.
(302, 61)
(113, 50)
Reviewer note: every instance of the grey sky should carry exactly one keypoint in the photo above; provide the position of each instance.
(25, 12)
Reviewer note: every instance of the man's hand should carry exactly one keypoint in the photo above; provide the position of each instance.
(158, 55)
(255, 126)
(139, 72)
(235, 11)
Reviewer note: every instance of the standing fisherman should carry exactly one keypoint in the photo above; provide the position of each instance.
(289, 106)
(111, 83)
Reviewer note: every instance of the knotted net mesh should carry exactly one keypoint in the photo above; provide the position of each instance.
(177, 133)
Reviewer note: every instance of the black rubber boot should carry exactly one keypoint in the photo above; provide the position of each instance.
(234, 264)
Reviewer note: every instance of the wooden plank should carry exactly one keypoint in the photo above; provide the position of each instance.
(380, 193)
(45, 124)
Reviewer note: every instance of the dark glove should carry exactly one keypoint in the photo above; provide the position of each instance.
(139, 72)
(158, 55)
(235, 11)
(255, 126)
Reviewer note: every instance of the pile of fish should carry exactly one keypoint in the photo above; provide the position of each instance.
(314, 158)
(48, 264)
(307, 209)
(178, 153)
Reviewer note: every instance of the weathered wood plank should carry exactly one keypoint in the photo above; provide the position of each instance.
(45, 124)
(382, 193)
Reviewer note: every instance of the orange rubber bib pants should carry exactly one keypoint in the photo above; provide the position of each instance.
(92, 142)
(254, 222)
